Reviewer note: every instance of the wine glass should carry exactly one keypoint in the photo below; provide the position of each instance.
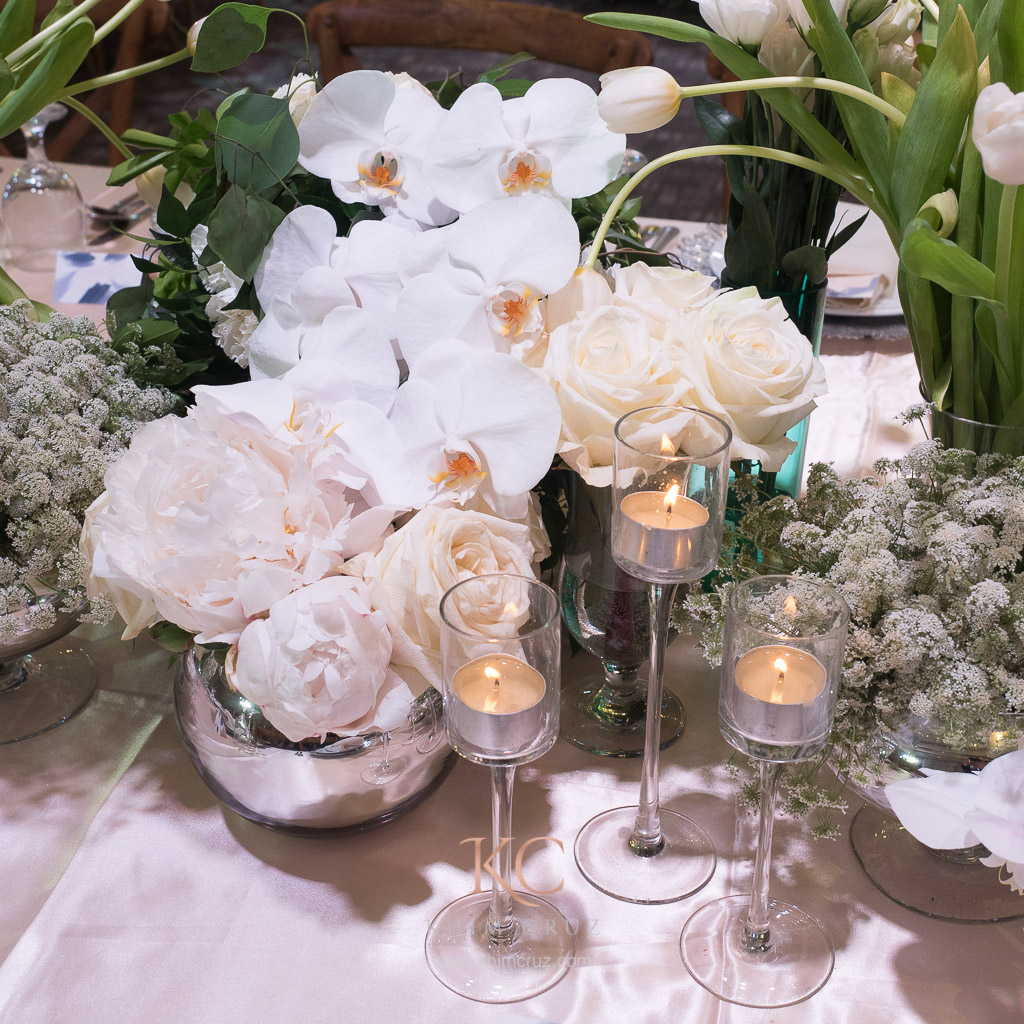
(607, 611)
(42, 207)
(781, 665)
(500, 647)
(671, 475)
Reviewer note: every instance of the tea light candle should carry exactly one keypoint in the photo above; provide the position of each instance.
(660, 530)
(777, 702)
(497, 704)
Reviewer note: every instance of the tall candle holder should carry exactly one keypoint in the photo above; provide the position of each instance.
(671, 475)
(781, 666)
(500, 648)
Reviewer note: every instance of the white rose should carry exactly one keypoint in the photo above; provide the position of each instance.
(602, 366)
(746, 362)
(300, 92)
(744, 22)
(898, 22)
(319, 663)
(802, 19)
(998, 132)
(660, 294)
(421, 561)
(638, 99)
(215, 517)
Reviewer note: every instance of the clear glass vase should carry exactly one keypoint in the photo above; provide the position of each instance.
(607, 613)
(974, 435)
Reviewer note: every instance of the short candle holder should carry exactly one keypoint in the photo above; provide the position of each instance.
(500, 649)
(671, 475)
(781, 666)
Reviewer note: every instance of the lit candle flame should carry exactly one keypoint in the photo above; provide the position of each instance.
(491, 700)
(667, 447)
(790, 606)
(780, 683)
(671, 497)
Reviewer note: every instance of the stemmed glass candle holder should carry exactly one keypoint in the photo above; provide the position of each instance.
(671, 474)
(500, 646)
(781, 665)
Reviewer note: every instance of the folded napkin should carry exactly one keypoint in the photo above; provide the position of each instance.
(863, 272)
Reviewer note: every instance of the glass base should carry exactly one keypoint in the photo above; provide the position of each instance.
(920, 879)
(797, 963)
(56, 682)
(683, 865)
(607, 730)
(462, 958)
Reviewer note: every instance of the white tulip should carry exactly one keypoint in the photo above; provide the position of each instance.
(998, 132)
(193, 35)
(744, 22)
(638, 99)
(299, 92)
(802, 18)
(898, 22)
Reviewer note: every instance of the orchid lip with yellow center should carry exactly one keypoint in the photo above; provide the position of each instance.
(460, 469)
(514, 311)
(380, 174)
(524, 171)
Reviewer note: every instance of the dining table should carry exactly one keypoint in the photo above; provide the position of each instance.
(130, 893)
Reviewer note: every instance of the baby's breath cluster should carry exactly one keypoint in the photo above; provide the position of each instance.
(67, 410)
(930, 557)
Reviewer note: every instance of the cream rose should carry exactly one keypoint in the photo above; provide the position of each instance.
(602, 366)
(419, 562)
(318, 663)
(743, 360)
(660, 294)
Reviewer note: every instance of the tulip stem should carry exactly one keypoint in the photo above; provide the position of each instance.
(120, 76)
(931, 7)
(798, 82)
(856, 186)
(122, 15)
(15, 56)
(98, 122)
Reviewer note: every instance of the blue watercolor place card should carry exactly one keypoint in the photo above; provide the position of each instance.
(92, 277)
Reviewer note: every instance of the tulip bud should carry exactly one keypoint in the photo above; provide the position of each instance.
(998, 132)
(193, 36)
(638, 99)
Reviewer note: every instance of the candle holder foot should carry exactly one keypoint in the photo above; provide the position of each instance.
(463, 957)
(683, 865)
(717, 952)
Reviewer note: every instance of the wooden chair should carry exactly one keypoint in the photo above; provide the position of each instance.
(114, 103)
(500, 25)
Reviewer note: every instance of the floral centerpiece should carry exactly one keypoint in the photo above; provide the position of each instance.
(928, 559)
(939, 161)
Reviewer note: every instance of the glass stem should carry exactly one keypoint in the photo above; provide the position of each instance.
(646, 839)
(502, 927)
(757, 936)
(35, 152)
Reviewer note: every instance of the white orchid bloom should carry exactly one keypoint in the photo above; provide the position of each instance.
(552, 140)
(485, 286)
(475, 422)
(369, 135)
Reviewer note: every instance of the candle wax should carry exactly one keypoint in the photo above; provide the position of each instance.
(779, 674)
(648, 508)
(498, 685)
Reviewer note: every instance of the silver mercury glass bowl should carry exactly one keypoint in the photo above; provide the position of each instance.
(340, 784)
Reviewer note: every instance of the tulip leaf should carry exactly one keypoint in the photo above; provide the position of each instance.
(240, 229)
(750, 243)
(937, 259)
(502, 68)
(131, 168)
(59, 9)
(229, 35)
(6, 78)
(1011, 45)
(256, 142)
(931, 137)
(16, 23)
(747, 68)
(50, 73)
(897, 92)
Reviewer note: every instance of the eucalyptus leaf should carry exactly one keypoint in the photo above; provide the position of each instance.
(240, 228)
(257, 143)
(229, 35)
(844, 234)
(171, 637)
(808, 261)
(502, 68)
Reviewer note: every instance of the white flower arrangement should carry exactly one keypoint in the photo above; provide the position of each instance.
(928, 556)
(68, 409)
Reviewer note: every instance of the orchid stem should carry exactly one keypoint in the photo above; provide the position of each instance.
(853, 185)
(798, 82)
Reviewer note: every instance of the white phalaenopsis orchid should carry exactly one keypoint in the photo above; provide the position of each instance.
(475, 422)
(552, 140)
(485, 286)
(953, 810)
(369, 134)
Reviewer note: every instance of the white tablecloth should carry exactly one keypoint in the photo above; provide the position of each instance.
(131, 895)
